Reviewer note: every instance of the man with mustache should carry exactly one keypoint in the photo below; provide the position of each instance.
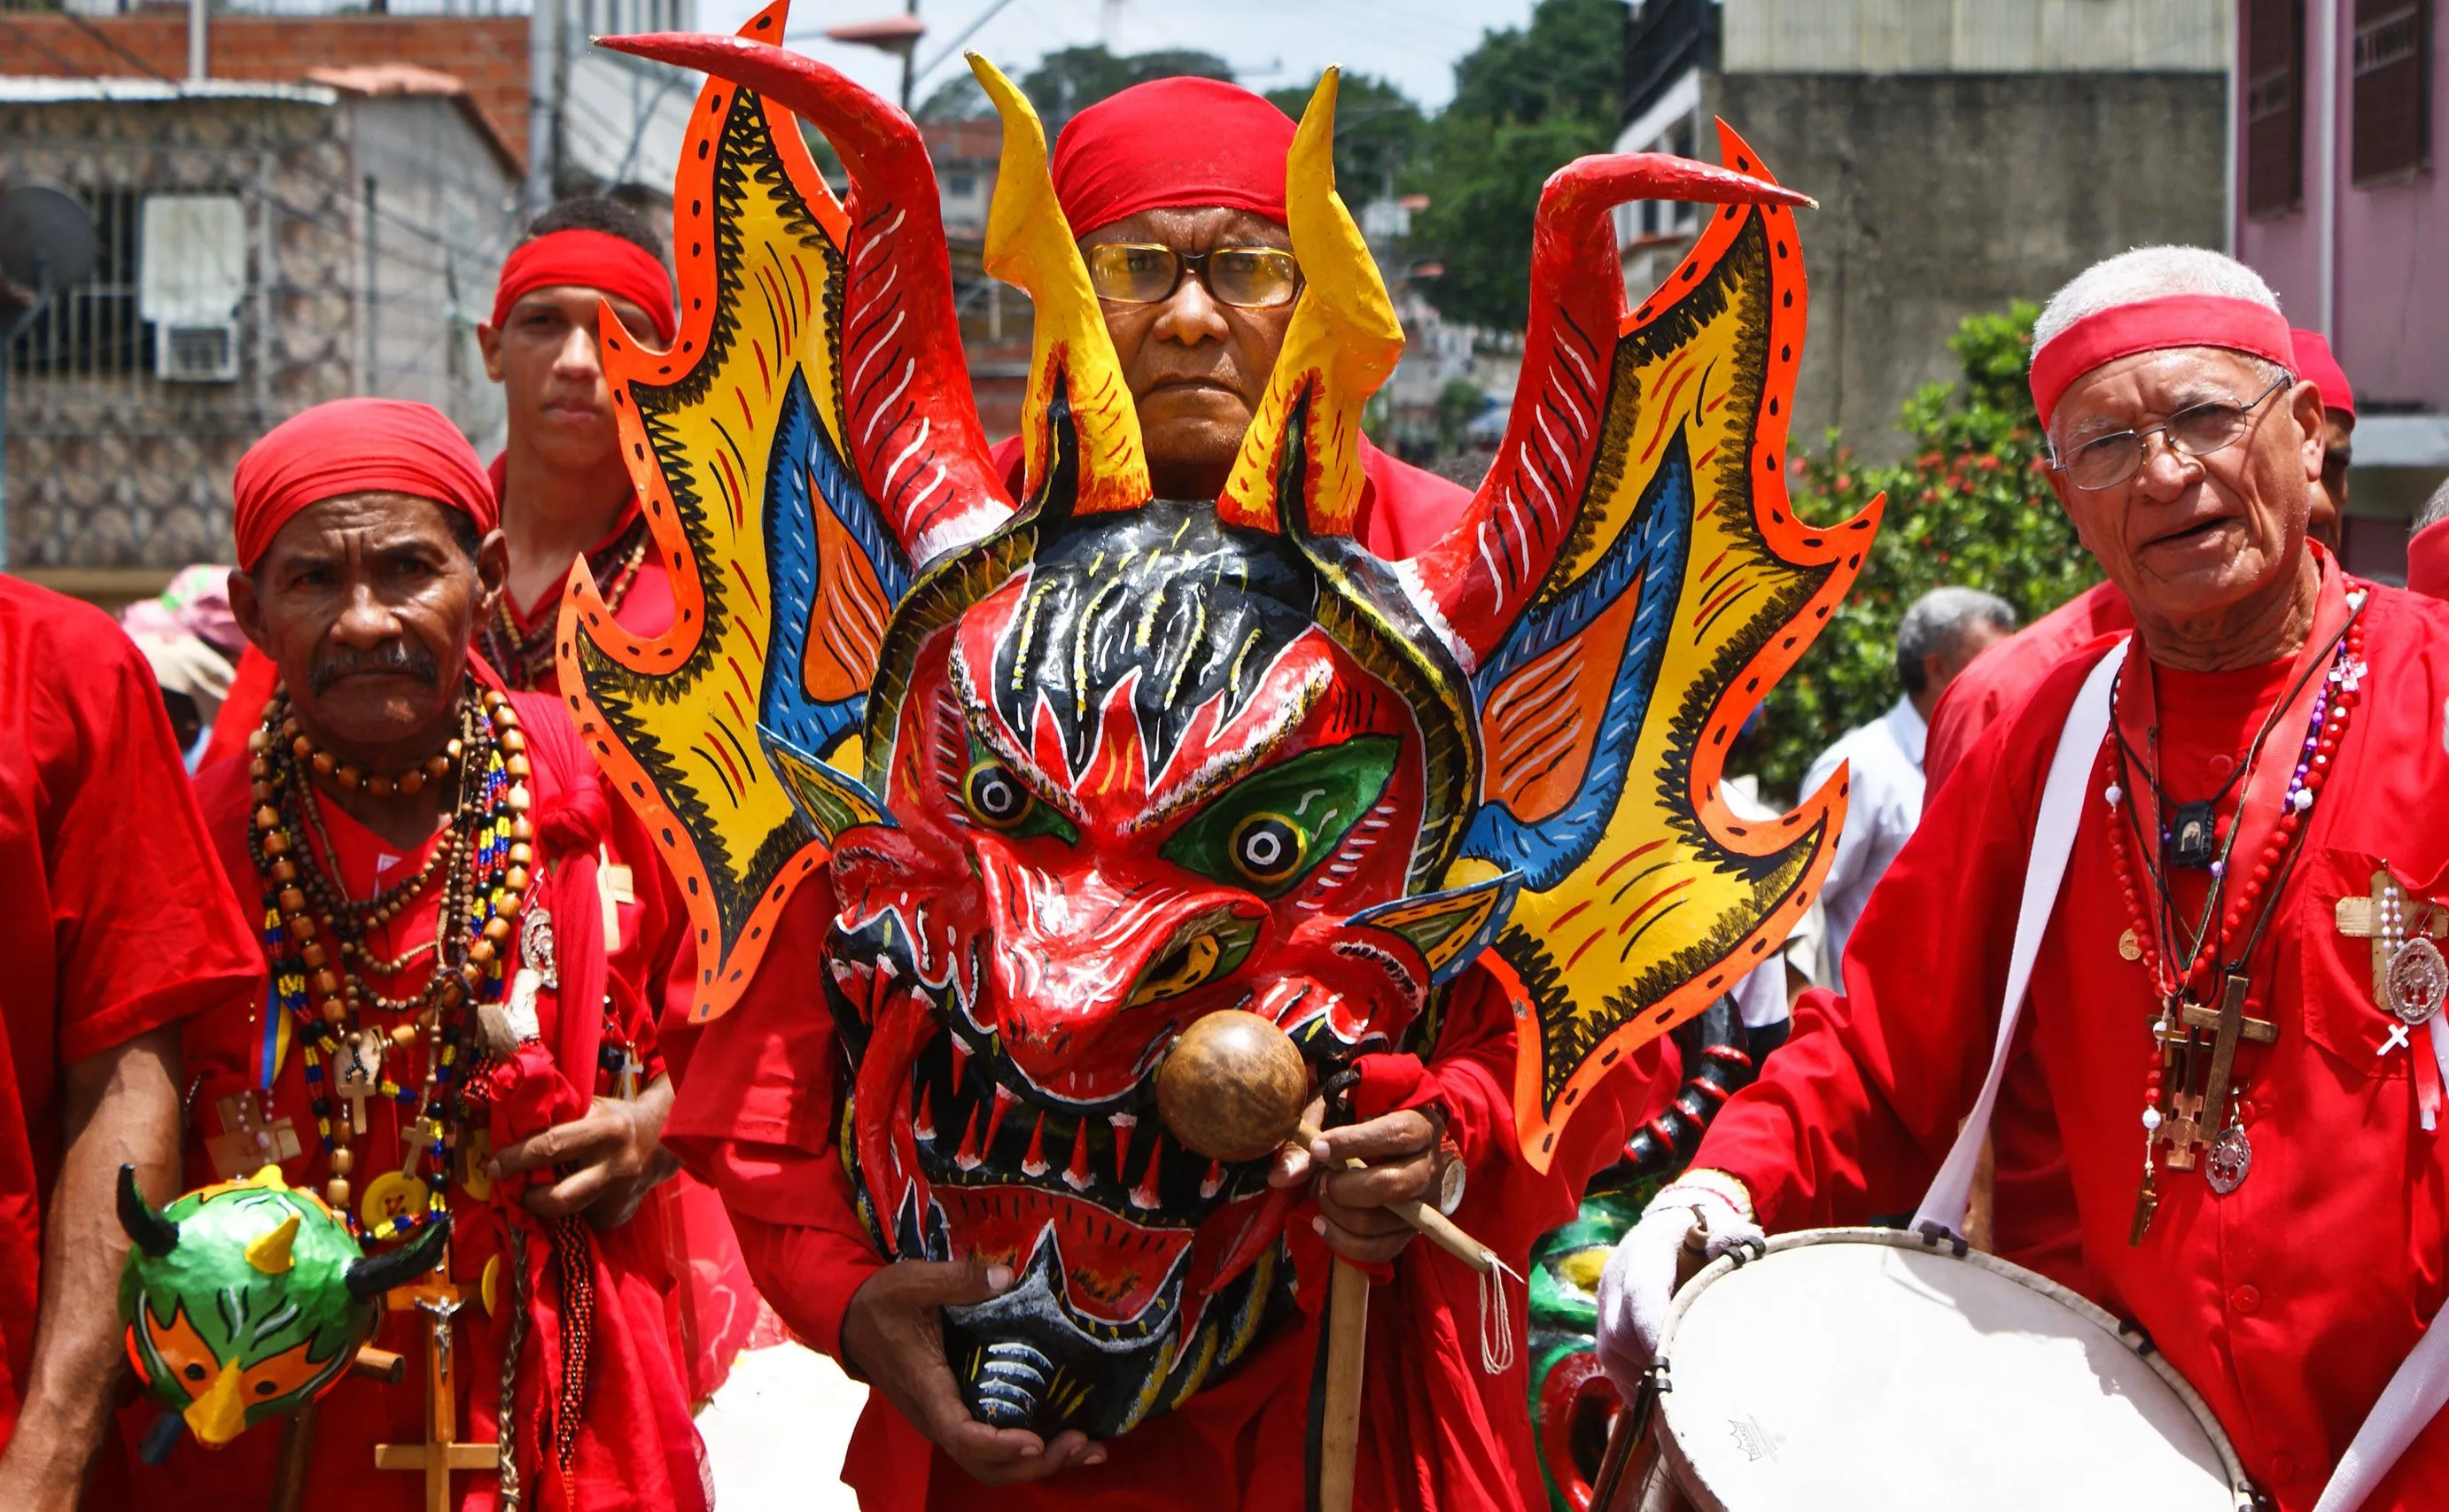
(112, 932)
(2240, 978)
(420, 849)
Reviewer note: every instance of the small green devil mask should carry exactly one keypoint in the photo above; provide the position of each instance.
(246, 1300)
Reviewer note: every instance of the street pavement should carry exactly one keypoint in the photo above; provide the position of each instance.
(777, 1430)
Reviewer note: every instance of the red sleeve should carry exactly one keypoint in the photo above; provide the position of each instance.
(1852, 1117)
(754, 1118)
(146, 933)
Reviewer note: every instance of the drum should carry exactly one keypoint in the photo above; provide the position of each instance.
(1865, 1368)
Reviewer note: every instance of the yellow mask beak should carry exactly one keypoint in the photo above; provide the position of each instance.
(219, 1414)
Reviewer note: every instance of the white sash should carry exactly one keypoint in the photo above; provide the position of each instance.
(2086, 725)
(2421, 1388)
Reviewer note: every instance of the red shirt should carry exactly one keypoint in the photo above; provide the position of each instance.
(2003, 676)
(637, 1448)
(2288, 1303)
(1403, 509)
(110, 924)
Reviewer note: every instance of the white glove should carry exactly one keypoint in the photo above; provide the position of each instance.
(1638, 1286)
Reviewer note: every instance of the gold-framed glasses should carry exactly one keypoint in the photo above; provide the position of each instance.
(2197, 430)
(1148, 273)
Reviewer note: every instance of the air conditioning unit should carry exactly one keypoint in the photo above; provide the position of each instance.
(192, 267)
(195, 354)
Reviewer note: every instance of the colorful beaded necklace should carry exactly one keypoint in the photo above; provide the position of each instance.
(314, 931)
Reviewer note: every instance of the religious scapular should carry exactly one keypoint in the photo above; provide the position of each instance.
(1087, 766)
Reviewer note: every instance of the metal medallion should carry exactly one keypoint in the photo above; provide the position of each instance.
(2230, 1160)
(536, 945)
(2130, 946)
(2418, 980)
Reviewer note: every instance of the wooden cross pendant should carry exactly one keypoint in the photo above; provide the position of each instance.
(2229, 1024)
(441, 1453)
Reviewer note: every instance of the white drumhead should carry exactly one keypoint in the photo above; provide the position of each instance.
(1859, 1369)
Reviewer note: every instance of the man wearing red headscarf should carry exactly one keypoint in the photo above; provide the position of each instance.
(566, 493)
(2001, 677)
(2209, 1041)
(111, 933)
(438, 1028)
(1175, 189)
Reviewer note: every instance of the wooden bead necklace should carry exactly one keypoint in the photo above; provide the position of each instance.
(347, 775)
(313, 931)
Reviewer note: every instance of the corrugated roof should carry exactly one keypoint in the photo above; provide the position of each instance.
(35, 89)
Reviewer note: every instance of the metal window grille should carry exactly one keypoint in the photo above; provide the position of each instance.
(92, 330)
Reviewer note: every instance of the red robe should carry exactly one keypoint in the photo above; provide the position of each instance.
(714, 1304)
(637, 1451)
(757, 1118)
(2288, 1303)
(109, 926)
(2003, 676)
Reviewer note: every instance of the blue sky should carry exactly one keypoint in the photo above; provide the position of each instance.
(1270, 43)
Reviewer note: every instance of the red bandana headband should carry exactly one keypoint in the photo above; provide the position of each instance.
(2173, 320)
(589, 260)
(1170, 143)
(355, 446)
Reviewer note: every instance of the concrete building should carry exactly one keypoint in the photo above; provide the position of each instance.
(2338, 139)
(578, 118)
(263, 247)
(1965, 153)
(297, 201)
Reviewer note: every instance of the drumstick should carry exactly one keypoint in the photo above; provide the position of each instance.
(1624, 1434)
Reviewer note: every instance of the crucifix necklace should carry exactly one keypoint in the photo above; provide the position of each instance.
(2202, 1021)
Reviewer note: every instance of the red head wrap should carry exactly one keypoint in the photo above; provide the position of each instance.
(1171, 143)
(2314, 361)
(2174, 320)
(356, 446)
(589, 259)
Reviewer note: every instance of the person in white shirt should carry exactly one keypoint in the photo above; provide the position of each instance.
(1937, 639)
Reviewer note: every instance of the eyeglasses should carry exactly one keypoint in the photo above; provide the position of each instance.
(2195, 431)
(1147, 273)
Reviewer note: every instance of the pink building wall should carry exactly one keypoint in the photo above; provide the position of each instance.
(2391, 273)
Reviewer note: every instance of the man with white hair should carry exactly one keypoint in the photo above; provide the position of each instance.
(1940, 634)
(2233, 970)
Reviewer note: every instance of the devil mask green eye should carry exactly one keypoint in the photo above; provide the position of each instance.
(999, 801)
(1267, 832)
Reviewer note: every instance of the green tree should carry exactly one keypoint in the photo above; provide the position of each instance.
(1971, 507)
(1069, 81)
(1379, 132)
(1527, 102)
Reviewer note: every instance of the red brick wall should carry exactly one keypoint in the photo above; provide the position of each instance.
(487, 53)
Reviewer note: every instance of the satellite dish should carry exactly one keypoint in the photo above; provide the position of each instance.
(47, 240)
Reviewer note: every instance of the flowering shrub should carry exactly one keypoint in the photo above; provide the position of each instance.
(1972, 508)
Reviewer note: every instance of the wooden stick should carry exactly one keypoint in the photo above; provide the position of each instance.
(1347, 1338)
(1435, 1226)
(379, 1365)
(297, 1448)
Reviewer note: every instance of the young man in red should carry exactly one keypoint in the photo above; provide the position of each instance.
(435, 1027)
(112, 932)
(566, 492)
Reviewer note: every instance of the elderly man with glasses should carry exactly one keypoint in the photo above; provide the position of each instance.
(2219, 1108)
(1176, 191)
